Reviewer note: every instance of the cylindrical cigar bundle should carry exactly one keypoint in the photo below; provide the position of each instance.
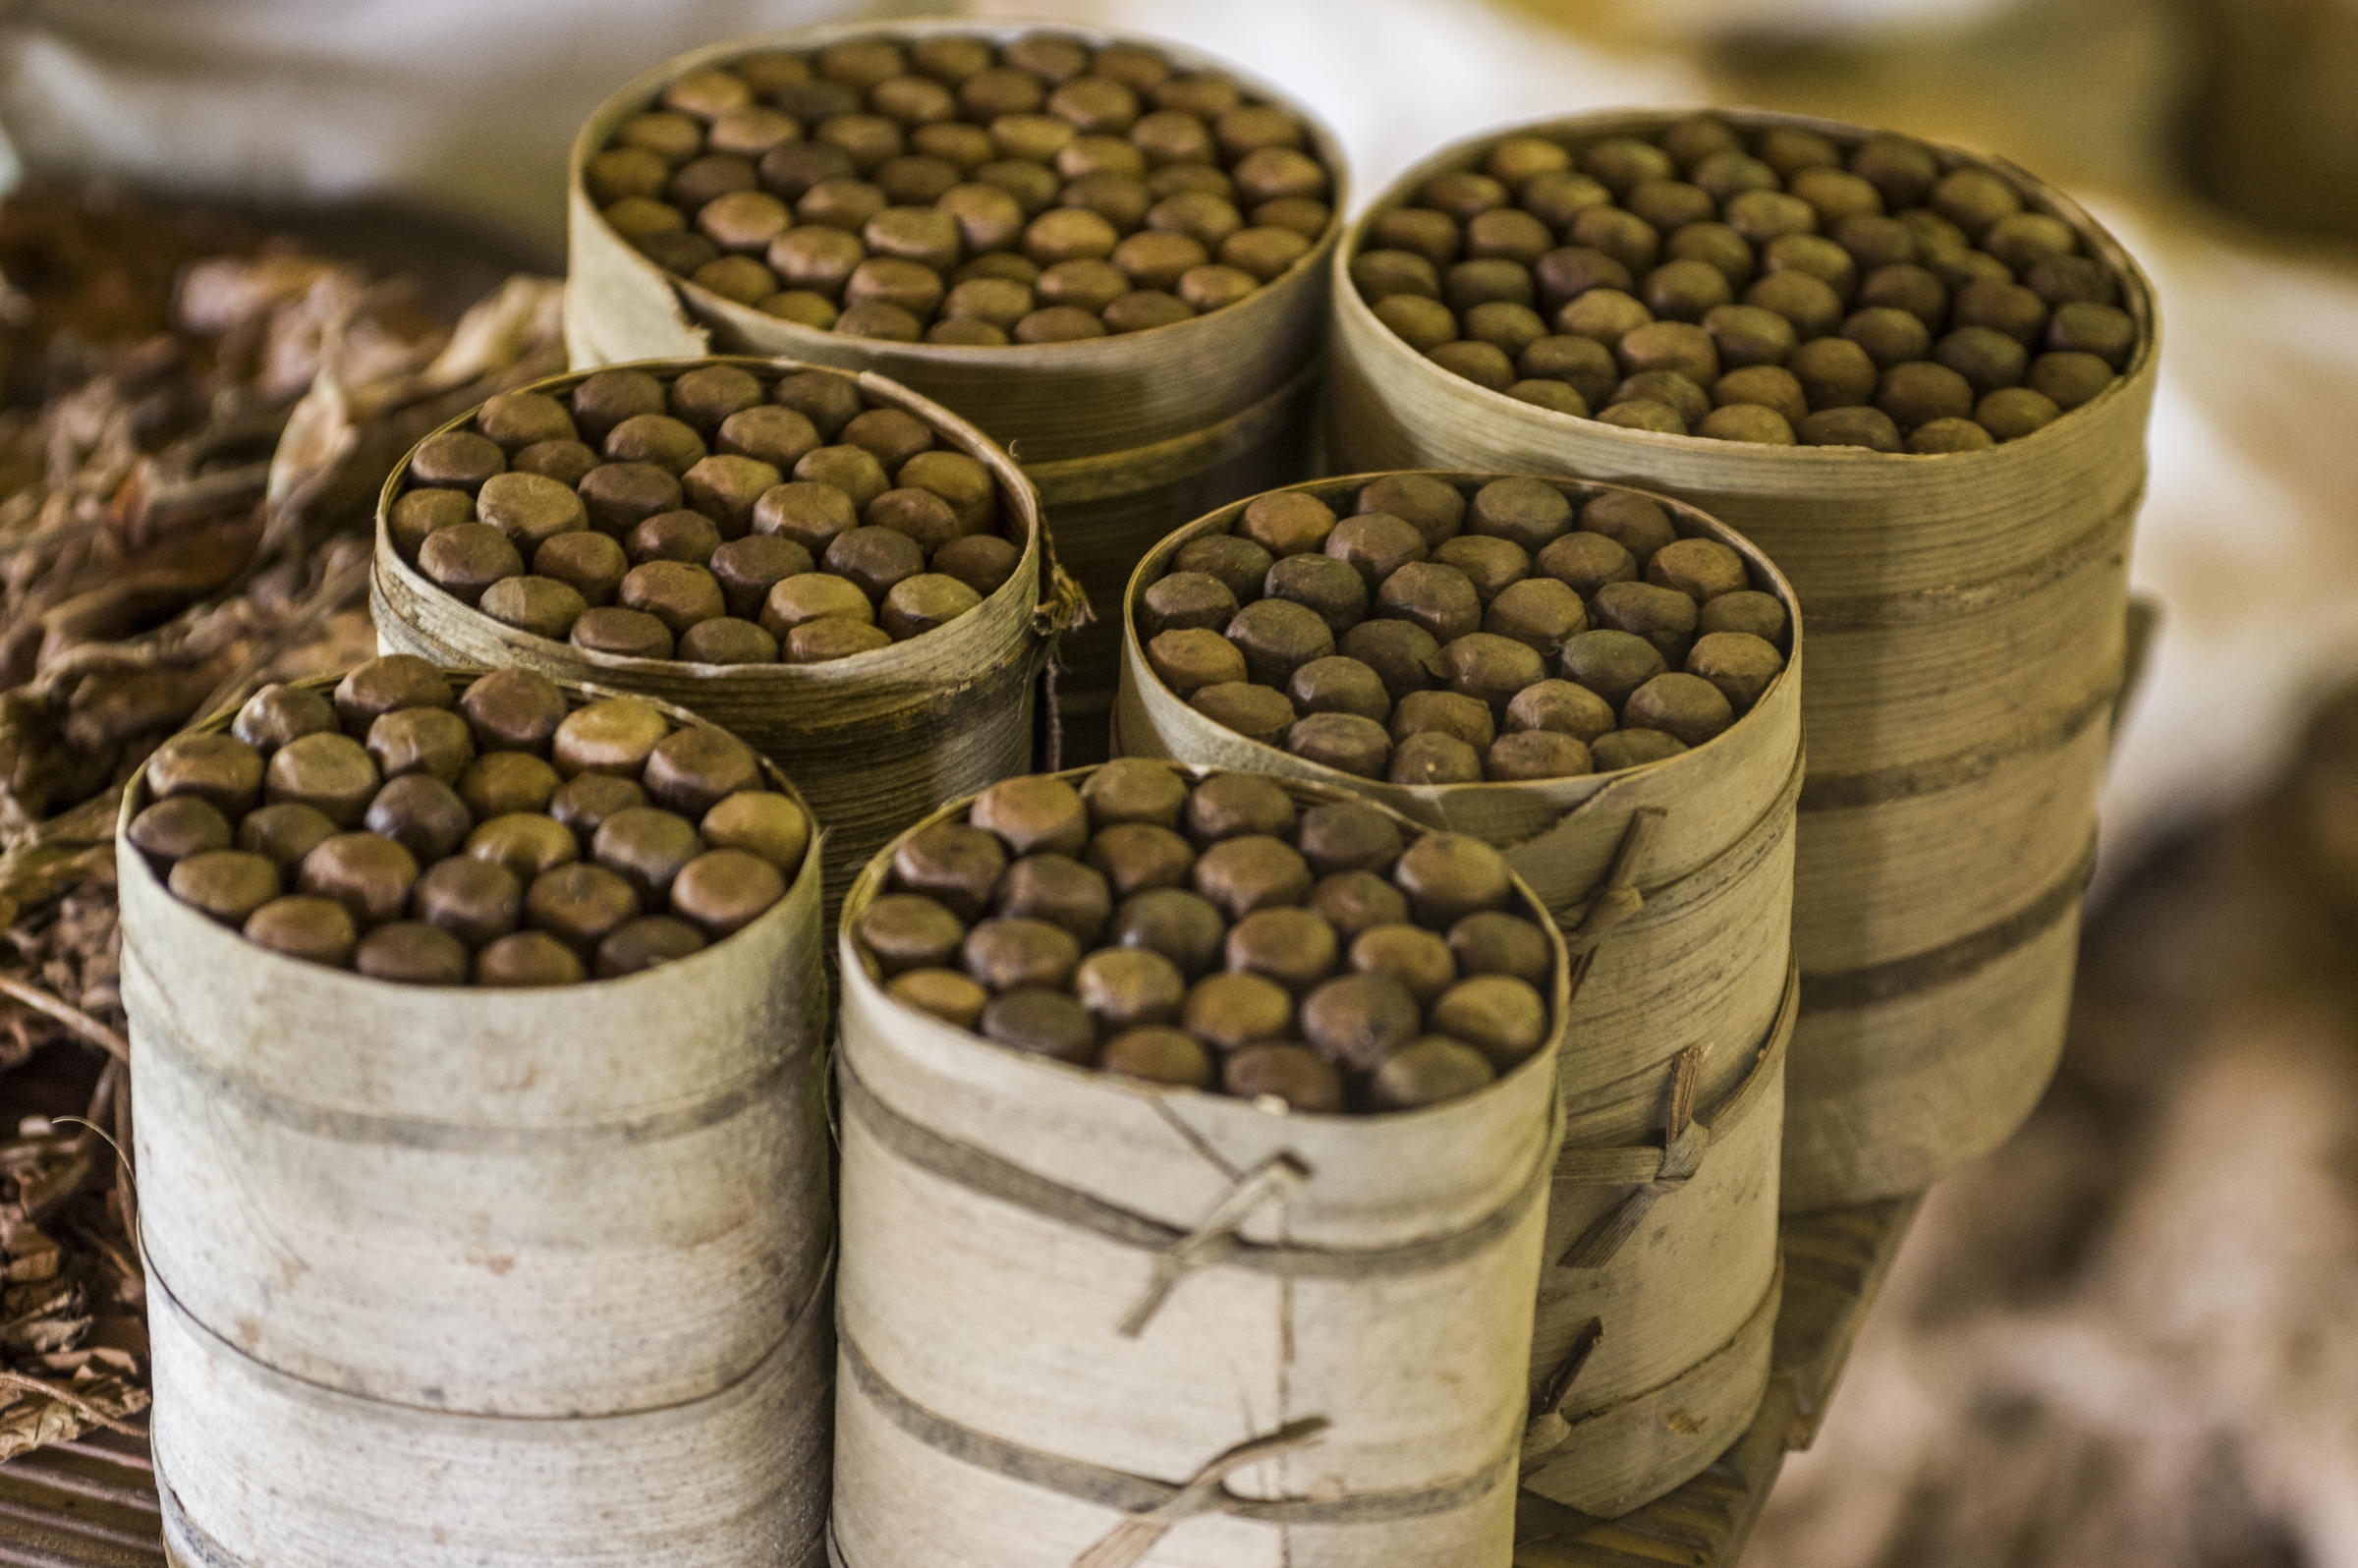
(467, 1252)
(1033, 193)
(1004, 232)
(1662, 279)
(1138, 318)
(744, 504)
(1164, 1146)
(1523, 631)
(1530, 654)
(1042, 924)
(532, 899)
(1960, 550)
(842, 574)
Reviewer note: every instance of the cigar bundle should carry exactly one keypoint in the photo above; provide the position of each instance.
(717, 519)
(503, 838)
(1420, 631)
(1049, 1226)
(1216, 934)
(950, 190)
(1767, 284)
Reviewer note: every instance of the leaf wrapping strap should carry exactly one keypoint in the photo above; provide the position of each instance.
(1548, 1430)
(1157, 1508)
(1655, 1174)
(979, 1171)
(1205, 1492)
(1216, 1239)
(1618, 900)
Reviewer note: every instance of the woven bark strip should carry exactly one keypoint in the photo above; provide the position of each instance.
(873, 741)
(1674, 885)
(1087, 1323)
(1966, 635)
(1134, 434)
(538, 1275)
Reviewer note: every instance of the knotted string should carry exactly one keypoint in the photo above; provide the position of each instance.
(1547, 1431)
(1205, 1493)
(1617, 902)
(1685, 1142)
(1216, 1239)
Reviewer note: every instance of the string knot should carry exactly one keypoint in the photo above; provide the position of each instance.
(1216, 1239)
(1682, 1159)
(1618, 901)
(1205, 1492)
(1608, 911)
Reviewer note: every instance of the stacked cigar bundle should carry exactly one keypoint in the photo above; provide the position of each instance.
(1216, 936)
(504, 839)
(1776, 288)
(946, 190)
(1436, 637)
(716, 521)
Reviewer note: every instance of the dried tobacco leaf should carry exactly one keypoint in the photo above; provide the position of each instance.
(193, 427)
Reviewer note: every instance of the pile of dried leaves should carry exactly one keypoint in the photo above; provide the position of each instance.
(194, 420)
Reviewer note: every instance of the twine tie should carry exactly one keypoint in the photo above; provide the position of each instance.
(1547, 1431)
(1271, 1181)
(1688, 1140)
(1617, 902)
(1205, 1493)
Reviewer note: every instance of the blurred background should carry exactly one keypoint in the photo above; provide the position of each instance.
(2129, 1338)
